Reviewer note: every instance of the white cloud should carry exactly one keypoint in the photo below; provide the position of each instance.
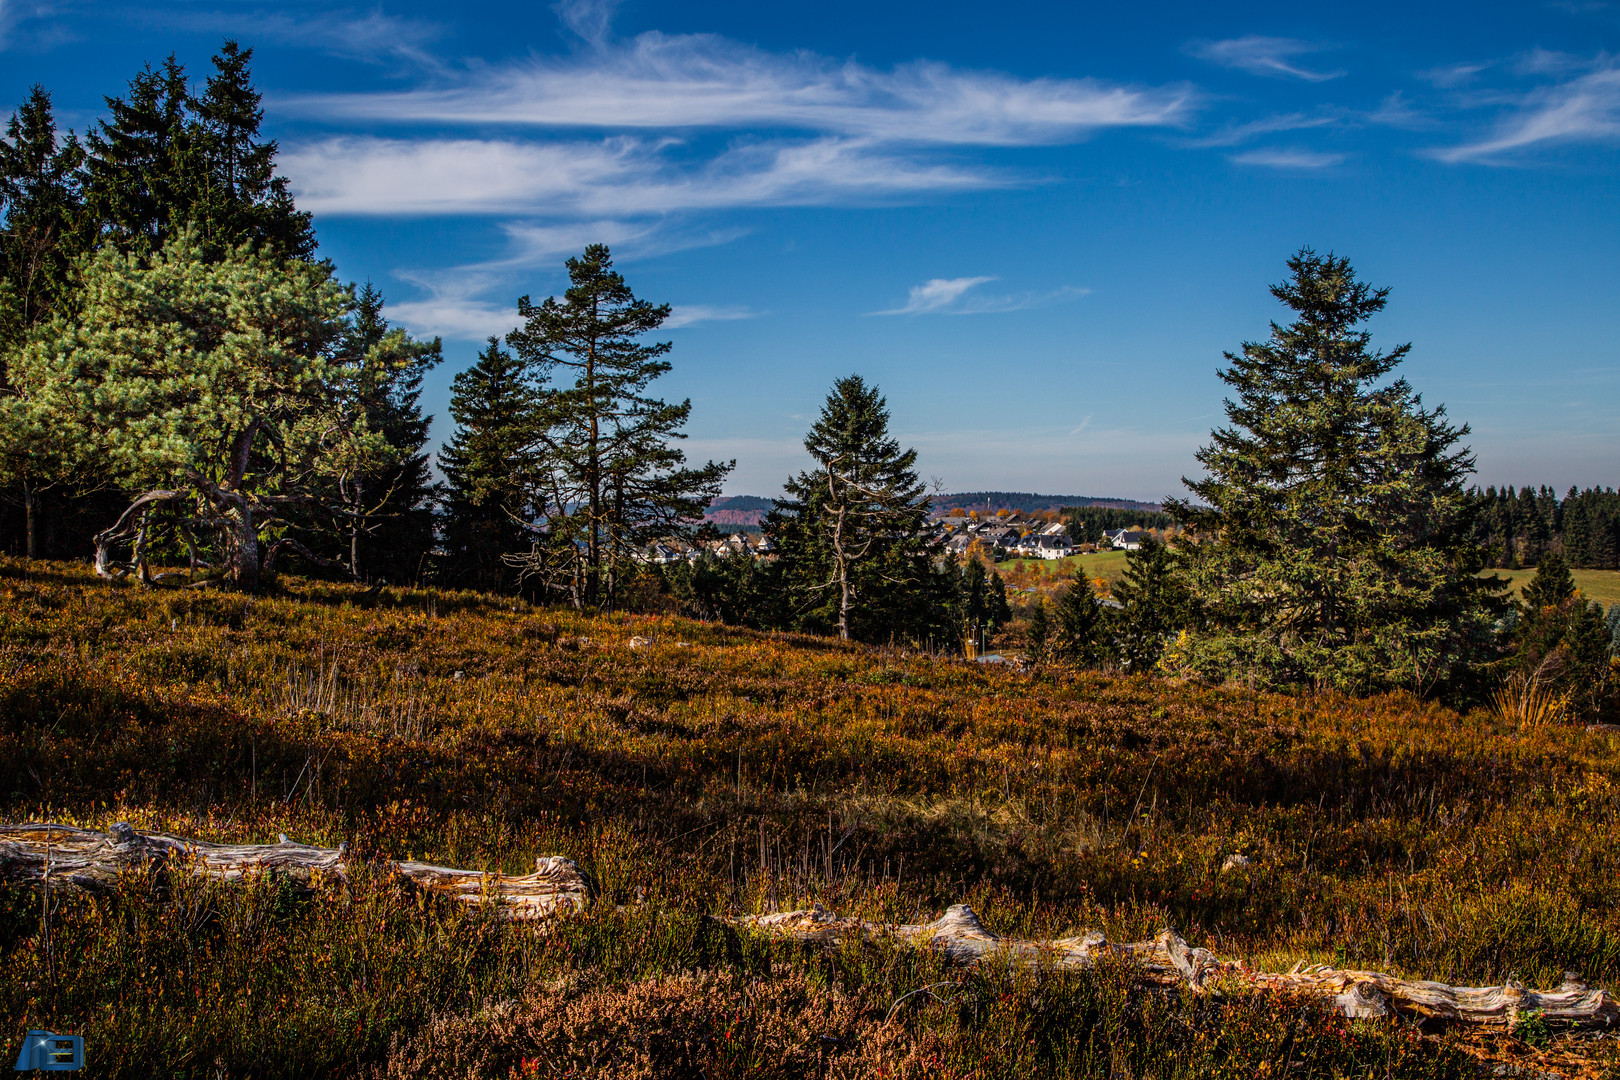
(692, 314)
(955, 296)
(590, 20)
(935, 295)
(1583, 109)
(1241, 133)
(673, 82)
(610, 177)
(1288, 159)
(456, 317)
(1259, 55)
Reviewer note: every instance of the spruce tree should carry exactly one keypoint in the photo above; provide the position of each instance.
(851, 534)
(1154, 606)
(40, 182)
(609, 472)
(40, 194)
(1332, 530)
(238, 196)
(384, 504)
(1552, 585)
(486, 466)
(142, 169)
(1039, 632)
(1080, 629)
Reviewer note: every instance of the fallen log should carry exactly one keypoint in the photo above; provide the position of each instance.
(65, 857)
(1168, 960)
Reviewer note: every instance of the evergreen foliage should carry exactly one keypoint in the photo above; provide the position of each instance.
(1333, 535)
(384, 502)
(217, 389)
(1080, 632)
(1517, 528)
(1154, 606)
(166, 159)
(608, 477)
(486, 467)
(1087, 523)
(855, 553)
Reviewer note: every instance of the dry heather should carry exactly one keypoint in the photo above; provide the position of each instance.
(705, 770)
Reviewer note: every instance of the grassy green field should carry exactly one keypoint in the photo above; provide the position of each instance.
(1108, 565)
(697, 770)
(1600, 585)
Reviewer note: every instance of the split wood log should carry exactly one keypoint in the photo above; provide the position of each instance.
(1167, 960)
(83, 859)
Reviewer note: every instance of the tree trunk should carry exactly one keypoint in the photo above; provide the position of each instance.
(31, 512)
(242, 549)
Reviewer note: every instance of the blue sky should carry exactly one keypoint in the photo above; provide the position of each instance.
(1036, 229)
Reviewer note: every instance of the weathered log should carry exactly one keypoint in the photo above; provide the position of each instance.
(72, 858)
(92, 861)
(1167, 960)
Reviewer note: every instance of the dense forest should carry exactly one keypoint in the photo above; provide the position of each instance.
(1517, 528)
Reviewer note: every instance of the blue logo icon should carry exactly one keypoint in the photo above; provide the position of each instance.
(50, 1052)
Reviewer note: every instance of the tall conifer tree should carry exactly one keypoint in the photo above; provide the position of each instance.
(486, 466)
(855, 555)
(609, 472)
(1333, 533)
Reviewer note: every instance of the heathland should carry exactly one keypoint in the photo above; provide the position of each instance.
(694, 770)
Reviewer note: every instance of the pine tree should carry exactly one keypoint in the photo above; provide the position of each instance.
(486, 466)
(611, 478)
(214, 389)
(1552, 585)
(1333, 534)
(1154, 606)
(1080, 630)
(40, 182)
(851, 533)
(385, 503)
(142, 168)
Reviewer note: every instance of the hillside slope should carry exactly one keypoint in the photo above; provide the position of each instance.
(691, 769)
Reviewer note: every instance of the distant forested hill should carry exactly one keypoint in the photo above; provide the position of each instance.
(738, 510)
(1028, 503)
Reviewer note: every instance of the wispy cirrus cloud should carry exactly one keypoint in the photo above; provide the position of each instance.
(1260, 55)
(1280, 158)
(692, 314)
(936, 294)
(691, 81)
(1585, 108)
(364, 176)
(1237, 134)
(957, 296)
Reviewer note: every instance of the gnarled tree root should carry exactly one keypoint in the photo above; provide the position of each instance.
(91, 861)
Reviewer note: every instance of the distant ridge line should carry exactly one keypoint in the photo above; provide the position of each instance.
(1029, 502)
